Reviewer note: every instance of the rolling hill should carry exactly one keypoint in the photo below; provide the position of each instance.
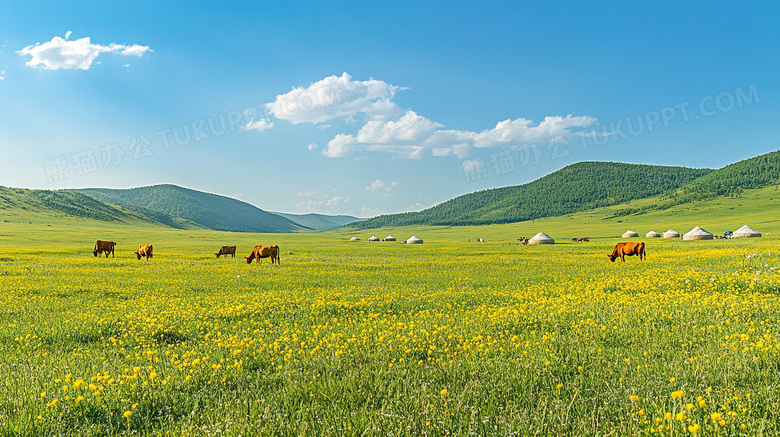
(625, 190)
(320, 222)
(577, 187)
(208, 210)
(45, 205)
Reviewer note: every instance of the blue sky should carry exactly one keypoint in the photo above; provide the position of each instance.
(364, 109)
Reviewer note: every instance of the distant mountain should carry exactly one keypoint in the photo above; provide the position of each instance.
(577, 187)
(320, 222)
(165, 203)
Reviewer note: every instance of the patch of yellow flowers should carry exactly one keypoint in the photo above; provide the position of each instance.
(114, 331)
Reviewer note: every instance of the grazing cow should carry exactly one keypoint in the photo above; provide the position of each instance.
(623, 249)
(523, 240)
(582, 239)
(226, 250)
(144, 250)
(264, 252)
(103, 246)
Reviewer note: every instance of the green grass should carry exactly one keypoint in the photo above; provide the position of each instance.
(380, 338)
(387, 339)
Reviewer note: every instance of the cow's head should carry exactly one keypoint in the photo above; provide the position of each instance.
(249, 259)
(94, 252)
(612, 257)
(138, 255)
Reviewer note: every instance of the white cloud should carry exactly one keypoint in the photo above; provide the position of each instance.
(367, 211)
(337, 201)
(522, 132)
(415, 207)
(340, 146)
(409, 129)
(335, 97)
(259, 125)
(2, 74)
(68, 34)
(333, 205)
(411, 136)
(80, 54)
(389, 129)
(381, 188)
(376, 185)
(472, 164)
(312, 146)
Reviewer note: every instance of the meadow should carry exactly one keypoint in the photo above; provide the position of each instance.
(444, 338)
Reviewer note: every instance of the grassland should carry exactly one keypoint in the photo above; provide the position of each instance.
(387, 339)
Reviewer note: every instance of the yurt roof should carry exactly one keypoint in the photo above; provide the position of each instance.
(413, 240)
(373, 238)
(697, 233)
(652, 234)
(746, 231)
(671, 233)
(354, 239)
(630, 233)
(390, 238)
(541, 238)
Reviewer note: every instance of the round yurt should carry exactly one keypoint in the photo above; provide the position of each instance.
(745, 231)
(354, 239)
(671, 233)
(389, 238)
(629, 234)
(541, 238)
(653, 234)
(413, 240)
(698, 233)
(373, 238)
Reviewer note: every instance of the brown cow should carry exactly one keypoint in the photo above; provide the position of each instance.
(264, 252)
(144, 250)
(226, 250)
(104, 246)
(623, 249)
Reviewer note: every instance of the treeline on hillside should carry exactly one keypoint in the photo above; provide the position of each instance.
(77, 204)
(209, 210)
(578, 187)
(730, 181)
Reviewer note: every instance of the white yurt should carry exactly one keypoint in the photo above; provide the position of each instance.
(653, 234)
(630, 234)
(354, 239)
(698, 233)
(671, 233)
(389, 238)
(745, 231)
(541, 238)
(414, 240)
(373, 238)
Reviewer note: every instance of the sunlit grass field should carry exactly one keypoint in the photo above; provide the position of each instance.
(362, 338)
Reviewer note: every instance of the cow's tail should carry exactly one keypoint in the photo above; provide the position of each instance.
(278, 256)
(644, 253)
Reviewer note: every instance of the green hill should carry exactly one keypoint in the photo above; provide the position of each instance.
(577, 187)
(52, 206)
(730, 181)
(208, 210)
(320, 222)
